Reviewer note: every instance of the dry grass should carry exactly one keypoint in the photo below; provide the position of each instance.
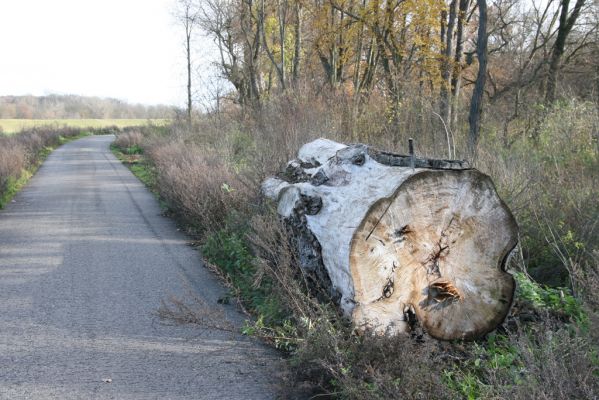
(556, 365)
(210, 177)
(192, 309)
(128, 139)
(199, 185)
(12, 161)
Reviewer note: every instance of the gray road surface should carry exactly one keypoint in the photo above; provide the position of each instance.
(85, 260)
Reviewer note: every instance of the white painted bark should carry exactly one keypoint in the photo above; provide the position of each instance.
(397, 239)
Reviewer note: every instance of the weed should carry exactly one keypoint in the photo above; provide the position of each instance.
(229, 251)
(559, 301)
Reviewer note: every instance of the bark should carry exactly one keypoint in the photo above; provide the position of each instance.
(396, 236)
(479, 87)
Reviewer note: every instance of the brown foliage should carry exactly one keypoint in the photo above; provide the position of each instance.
(12, 162)
(200, 186)
(128, 139)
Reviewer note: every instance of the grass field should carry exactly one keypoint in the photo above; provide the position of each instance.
(9, 126)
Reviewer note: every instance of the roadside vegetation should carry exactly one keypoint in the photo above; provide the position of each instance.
(13, 126)
(21, 154)
(511, 86)
(209, 178)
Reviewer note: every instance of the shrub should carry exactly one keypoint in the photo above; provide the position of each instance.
(541, 361)
(558, 301)
(12, 162)
(200, 186)
(130, 141)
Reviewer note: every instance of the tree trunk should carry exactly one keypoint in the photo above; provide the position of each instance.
(446, 65)
(298, 42)
(565, 27)
(479, 86)
(282, 14)
(456, 75)
(398, 237)
(188, 51)
(279, 67)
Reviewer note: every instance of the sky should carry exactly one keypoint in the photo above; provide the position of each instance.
(126, 49)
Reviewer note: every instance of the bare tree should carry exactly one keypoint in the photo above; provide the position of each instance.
(236, 28)
(567, 20)
(187, 15)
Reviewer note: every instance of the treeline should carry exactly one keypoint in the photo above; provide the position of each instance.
(443, 57)
(76, 107)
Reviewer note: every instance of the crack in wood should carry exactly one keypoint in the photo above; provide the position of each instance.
(379, 220)
(432, 263)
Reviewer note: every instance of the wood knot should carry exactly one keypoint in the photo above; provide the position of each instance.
(401, 233)
(319, 178)
(388, 289)
(359, 159)
(312, 204)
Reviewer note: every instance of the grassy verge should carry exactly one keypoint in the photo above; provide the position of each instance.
(12, 126)
(139, 165)
(142, 167)
(14, 184)
(228, 248)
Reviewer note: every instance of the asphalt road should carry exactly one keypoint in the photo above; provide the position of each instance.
(85, 260)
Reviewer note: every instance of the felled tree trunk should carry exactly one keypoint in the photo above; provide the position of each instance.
(397, 237)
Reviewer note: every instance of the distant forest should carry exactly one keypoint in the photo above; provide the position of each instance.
(74, 107)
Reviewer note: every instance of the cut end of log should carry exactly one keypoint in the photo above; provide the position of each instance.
(398, 238)
(441, 239)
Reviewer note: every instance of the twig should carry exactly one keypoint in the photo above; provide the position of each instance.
(447, 134)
